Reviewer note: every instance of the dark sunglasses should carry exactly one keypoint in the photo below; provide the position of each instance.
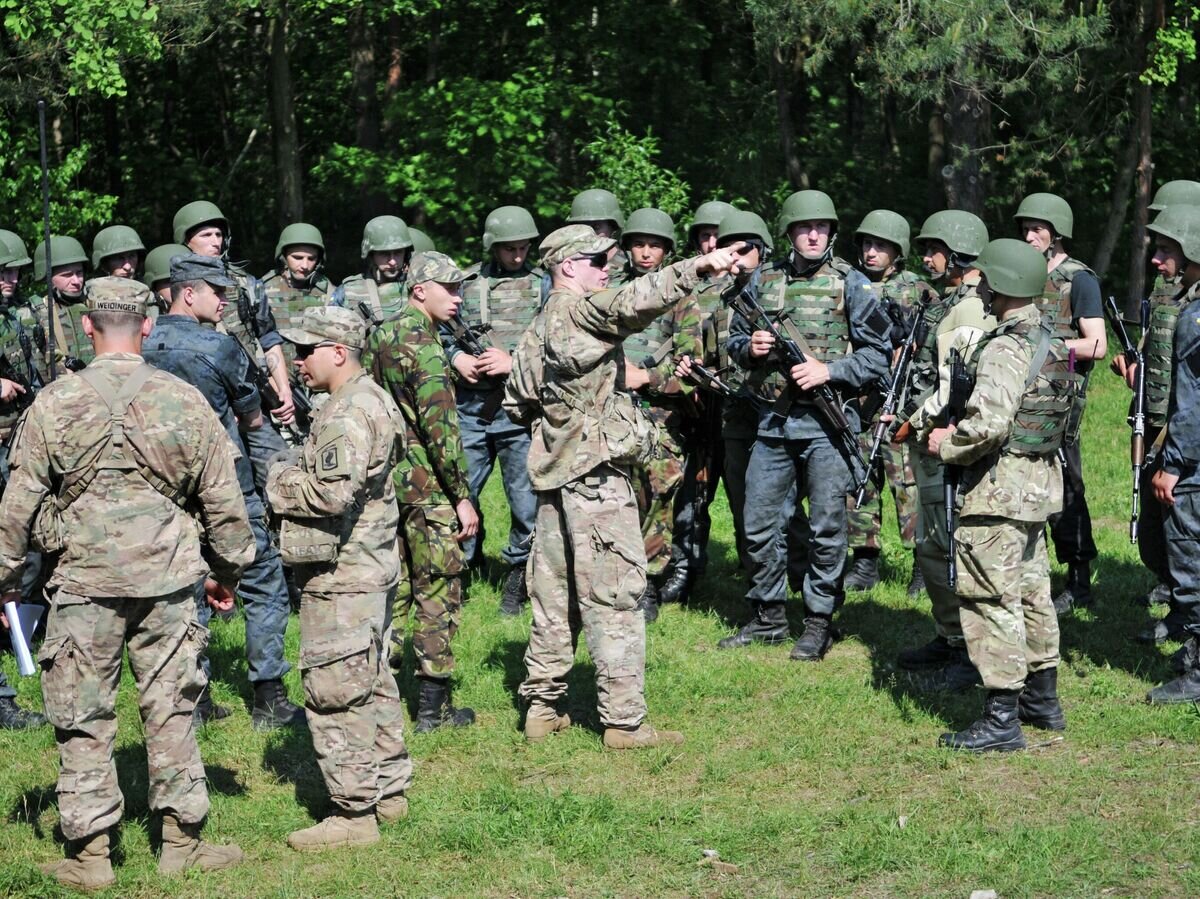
(595, 260)
(303, 351)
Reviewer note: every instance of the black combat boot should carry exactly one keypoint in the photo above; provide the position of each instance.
(958, 676)
(675, 587)
(206, 710)
(647, 603)
(435, 709)
(769, 625)
(1164, 629)
(13, 717)
(1186, 687)
(1077, 592)
(937, 653)
(272, 709)
(1039, 705)
(916, 584)
(864, 570)
(997, 731)
(515, 592)
(1158, 595)
(815, 641)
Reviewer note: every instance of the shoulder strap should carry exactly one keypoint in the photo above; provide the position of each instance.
(1039, 357)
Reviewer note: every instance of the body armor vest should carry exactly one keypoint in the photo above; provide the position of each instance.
(72, 349)
(16, 346)
(288, 304)
(375, 302)
(1055, 301)
(502, 305)
(237, 318)
(1166, 302)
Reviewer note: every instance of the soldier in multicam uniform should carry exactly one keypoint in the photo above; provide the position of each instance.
(405, 356)
(157, 275)
(949, 241)
(103, 459)
(379, 293)
(72, 349)
(1071, 300)
(340, 518)
(601, 211)
(499, 303)
(1005, 445)
(118, 251)
(831, 312)
(588, 564)
(882, 241)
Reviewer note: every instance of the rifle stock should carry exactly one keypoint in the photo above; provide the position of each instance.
(1137, 410)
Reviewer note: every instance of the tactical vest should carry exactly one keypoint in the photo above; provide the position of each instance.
(502, 307)
(1055, 301)
(72, 349)
(901, 288)
(16, 346)
(1041, 420)
(238, 317)
(289, 303)
(1166, 302)
(816, 306)
(375, 302)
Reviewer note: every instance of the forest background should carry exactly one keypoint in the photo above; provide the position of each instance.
(332, 111)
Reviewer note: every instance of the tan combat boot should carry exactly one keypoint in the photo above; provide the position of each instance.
(87, 867)
(643, 737)
(337, 832)
(541, 720)
(182, 849)
(391, 808)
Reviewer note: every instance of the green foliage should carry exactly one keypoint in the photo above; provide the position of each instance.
(1174, 42)
(627, 165)
(75, 209)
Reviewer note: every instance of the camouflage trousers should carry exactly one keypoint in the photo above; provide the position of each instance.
(350, 695)
(587, 571)
(81, 672)
(895, 469)
(432, 562)
(658, 484)
(933, 547)
(1007, 617)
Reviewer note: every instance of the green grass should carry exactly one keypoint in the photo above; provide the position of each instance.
(813, 780)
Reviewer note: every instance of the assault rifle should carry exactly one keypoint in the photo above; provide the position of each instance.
(961, 385)
(710, 380)
(895, 389)
(471, 340)
(1137, 411)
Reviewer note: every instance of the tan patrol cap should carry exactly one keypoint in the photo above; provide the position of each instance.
(328, 324)
(572, 240)
(112, 294)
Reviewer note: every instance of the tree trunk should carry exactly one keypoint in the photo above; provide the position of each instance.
(967, 129)
(788, 76)
(288, 178)
(366, 103)
(1144, 173)
(1118, 204)
(935, 198)
(395, 40)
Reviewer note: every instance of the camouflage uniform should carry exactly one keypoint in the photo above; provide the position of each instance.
(375, 301)
(287, 304)
(405, 356)
(114, 589)
(72, 349)
(339, 508)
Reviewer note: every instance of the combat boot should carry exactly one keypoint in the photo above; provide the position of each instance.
(864, 570)
(542, 720)
(769, 625)
(937, 653)
(87, 866)
(1164, 629)
(916, 584)
(998, 730)
(1186, 658)
(182, 849)
(1186, 687)
(516, 594)
(391, 808)
(815, 641)
(338, 831)
(272, 709)
(647, 603)
(1077, 592)
(206, 710)
(1039, 705)
(675, 587)
(641, 737)
(13, 717)
(434, 708)
(1158, 595)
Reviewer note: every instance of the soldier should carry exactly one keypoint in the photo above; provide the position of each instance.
(405, 356)
(1176, 193)
(339, 509)
(1072, 301)
(588, 564)
(501, 299)
(830, 311)
(72, 349)
(882, 241)
(158, 275)
(379, 293)
(1005, 445)
(949, 242)
(247, 317)
(105, 458)
(600, 209)
(118, 251)
(421, 241)
(213, 363)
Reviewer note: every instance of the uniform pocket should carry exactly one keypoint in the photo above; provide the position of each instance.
(987, 567)
(619, 573)
(431, 535)
(339, 671)
(69, 683)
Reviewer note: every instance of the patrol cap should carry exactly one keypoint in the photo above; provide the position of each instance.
(112, 294)
(572, 240)
(328, 324)
(434, 266)
(194, 267)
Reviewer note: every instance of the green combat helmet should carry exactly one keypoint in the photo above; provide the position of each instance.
(737, 225)
(508, 224)
(63, 251)
(1176, 193)
(299, 232)
(886, 225)
(422, 242)
(596, 205)
(1049, 208)
(13, 253)
(158, 263)
(649, 221)
(1013, 268)
(708, 214)
(193, 215)
(963, 233)
(807, 206)
(113, 240)
(1180, 223)
(385, 232)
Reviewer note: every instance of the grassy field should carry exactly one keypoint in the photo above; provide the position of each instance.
(808, 780)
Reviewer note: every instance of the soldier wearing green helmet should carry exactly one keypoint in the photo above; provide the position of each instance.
(500, 301)
(882, 240)
(1071, 300)
(72, 348)
(422, 242)
(600, 209)
(949, 242)
(157, 275)
(829, 310)
(1176, 193)
(118, 251)
(1176, 481)
(1005, 447)
(378, 293)
(706, 224)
